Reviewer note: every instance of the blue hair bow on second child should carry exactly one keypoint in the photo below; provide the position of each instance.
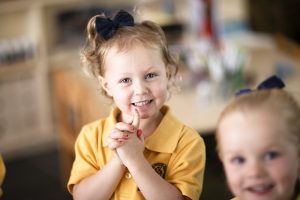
(106, 27)
(270, 83)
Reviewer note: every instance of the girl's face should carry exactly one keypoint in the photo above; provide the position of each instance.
(260, 161)
(136, 79)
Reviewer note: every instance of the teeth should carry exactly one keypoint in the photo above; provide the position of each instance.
(141, 103)
(261, 188)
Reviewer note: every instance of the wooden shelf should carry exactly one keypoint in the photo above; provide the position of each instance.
(16, 68)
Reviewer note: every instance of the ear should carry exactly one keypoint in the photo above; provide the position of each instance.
(104, 84)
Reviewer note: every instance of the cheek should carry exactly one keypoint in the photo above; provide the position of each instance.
(286, 172)
(121, 96)
(229, 172)
(233, 176)
(164, 85)
(160, 90)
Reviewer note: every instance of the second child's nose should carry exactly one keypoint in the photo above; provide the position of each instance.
(255, 170)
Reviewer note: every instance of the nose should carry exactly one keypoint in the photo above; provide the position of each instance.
(255, 169)
(140, 87)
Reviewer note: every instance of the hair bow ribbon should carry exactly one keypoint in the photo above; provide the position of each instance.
(270, 83)
(107, 27)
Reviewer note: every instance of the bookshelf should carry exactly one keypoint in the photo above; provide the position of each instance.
(25, 117)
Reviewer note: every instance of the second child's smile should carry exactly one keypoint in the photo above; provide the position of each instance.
(260, 189)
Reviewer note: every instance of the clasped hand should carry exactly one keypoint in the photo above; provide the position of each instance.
(127, 141)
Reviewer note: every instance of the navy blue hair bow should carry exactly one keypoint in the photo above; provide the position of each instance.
(106, 27)
(270, 83)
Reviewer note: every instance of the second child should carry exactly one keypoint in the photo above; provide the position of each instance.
(258, 140)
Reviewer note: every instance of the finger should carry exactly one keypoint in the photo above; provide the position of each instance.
(113, 144)
(117, 134)
(124, 127)
(136, 119)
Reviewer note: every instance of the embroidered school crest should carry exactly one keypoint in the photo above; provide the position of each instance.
(160, 168)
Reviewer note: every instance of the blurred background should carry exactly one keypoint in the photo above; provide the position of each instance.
(45, 97)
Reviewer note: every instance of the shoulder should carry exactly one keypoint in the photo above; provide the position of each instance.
(185, 131)
(90, 134)
(99, 127)
(185, 134)
(189, 136)
(191, 139)
(93, 127)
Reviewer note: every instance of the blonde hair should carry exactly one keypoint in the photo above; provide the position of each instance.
(276, 101)
(146, 33)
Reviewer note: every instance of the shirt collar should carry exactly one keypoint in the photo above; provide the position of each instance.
(165, 137)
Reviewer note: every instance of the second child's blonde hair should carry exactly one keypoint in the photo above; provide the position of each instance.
(146, 33)
(277, 102)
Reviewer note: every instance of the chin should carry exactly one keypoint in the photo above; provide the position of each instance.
(144, 116)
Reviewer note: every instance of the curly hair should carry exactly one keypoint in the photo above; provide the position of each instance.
(145, 33)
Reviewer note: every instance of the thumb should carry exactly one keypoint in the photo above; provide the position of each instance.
(136, 119)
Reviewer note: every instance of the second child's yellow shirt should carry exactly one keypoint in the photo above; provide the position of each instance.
(175, 151)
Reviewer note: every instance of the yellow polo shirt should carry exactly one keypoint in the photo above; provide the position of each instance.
(175, 151)
(2, 174)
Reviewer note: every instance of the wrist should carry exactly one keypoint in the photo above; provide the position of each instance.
(117, 161)
(137, 163)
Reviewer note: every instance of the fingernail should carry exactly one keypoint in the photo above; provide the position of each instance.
(126, 137)
(139, 132)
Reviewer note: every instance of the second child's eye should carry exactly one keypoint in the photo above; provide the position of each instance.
(271, 155)
(238, 160)
(151, 75)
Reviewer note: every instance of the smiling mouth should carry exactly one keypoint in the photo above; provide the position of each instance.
(261, 189)
(141, 103)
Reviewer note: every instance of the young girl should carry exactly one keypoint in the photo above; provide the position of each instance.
(141, 151)
(258, 141)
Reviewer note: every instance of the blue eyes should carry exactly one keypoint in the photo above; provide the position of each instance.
(150, 75)
(125, 80)
(147, 77)
(268, 156)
